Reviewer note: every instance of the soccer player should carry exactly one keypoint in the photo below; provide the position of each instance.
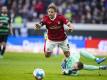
(55, 30)
(5, 24)
(72, 64)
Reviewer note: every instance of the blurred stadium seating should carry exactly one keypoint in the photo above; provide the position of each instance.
(82, 11)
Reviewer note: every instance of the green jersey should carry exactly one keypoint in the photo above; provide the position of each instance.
(4, 22)
(70, 61)
(75, 56)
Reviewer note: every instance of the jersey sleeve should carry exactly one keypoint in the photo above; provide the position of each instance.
(64, 19)
(42, 22)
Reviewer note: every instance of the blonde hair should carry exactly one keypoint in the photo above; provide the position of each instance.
(53, 6)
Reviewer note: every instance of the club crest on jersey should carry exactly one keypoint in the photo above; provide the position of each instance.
(58, 22)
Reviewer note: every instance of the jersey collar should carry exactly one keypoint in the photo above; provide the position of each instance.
(54, 17)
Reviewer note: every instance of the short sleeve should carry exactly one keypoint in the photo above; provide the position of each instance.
(64, 20)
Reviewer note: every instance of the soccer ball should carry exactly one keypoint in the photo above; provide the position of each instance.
(39, 74)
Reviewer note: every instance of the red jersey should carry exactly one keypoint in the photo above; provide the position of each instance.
(55, 27)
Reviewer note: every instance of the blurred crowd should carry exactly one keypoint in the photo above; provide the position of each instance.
(78, 11)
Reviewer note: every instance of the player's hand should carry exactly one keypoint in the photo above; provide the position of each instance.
(70, 27)
(37, 26)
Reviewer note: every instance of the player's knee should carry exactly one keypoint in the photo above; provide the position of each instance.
(67, 53)
(47, 54)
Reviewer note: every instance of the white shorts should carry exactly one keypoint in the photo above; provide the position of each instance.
(50, 45)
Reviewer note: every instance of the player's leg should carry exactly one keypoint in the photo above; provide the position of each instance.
(65, 47)
(1, 56)
(57, 50)
(80, 66)
(1, 42)
(0, 51)
(44, 45)
(49, 48)
(93, 67)
(3, 46)
(91, 56)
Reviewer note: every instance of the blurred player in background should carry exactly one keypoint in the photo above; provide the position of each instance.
(5, 27)
(72, 64)
(55, 30)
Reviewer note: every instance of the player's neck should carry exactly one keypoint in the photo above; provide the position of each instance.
(54, 17)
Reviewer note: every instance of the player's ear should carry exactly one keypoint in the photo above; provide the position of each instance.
(80, 65)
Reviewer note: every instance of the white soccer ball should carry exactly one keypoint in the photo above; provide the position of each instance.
(39, 73)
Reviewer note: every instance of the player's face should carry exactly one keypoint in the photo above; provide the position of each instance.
(51, 13)
(4, 10)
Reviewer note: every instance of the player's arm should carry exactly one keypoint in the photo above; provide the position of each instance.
(68, 23)
(70, 26)
(40, 24)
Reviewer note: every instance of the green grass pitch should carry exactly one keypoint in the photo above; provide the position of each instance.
(18, 66)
